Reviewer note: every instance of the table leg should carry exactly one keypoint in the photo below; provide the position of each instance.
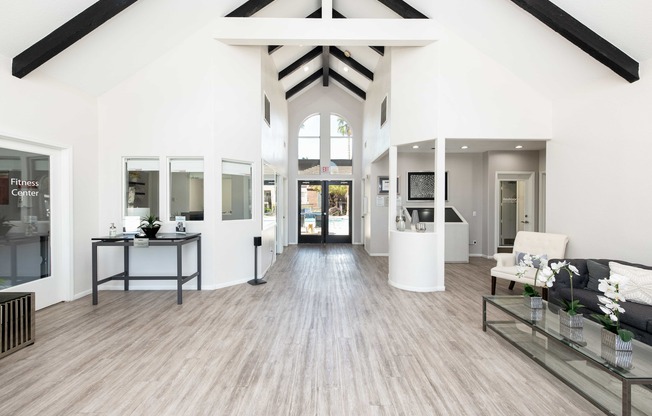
(126, 268)
(627, 399)
(179, 274)
(198, 263)
(94, 261)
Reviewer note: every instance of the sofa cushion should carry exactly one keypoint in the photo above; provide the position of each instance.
(597, 271)
(636, 315)
(639, 286)
(509, 273)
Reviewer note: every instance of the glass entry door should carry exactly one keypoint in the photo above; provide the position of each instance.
(324, 212)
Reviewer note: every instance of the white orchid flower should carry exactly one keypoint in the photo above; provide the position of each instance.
(574, 269)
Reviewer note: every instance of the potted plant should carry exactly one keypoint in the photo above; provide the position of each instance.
(543, 273)
(150, 225)
(613, 337)
(568, 315)
(5, 225)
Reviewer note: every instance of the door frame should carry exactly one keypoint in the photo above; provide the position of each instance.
(324, 238)
(527, 176)
(59, 286)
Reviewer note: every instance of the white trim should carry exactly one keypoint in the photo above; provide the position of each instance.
(59, 286)
(509, 176)
(417, 289)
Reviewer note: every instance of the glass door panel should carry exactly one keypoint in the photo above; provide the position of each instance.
(337, 214)
(310, 211)
(324, 208)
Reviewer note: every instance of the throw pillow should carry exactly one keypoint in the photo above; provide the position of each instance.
(639, 286)
(597, 271)
(535, 263)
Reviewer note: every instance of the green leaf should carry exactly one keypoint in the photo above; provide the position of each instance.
(625, 335)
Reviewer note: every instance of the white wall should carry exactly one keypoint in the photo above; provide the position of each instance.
(598, 167)
(376, 138)
(39, 110)
(325, 100)
(482, 100)
(190, 102)
(274, 150)
(414, 94)
(465, 189)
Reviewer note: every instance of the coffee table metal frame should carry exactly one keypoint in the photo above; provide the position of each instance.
(555, 345)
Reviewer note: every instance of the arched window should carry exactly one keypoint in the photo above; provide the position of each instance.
(334, 151)
(308, 146)
(341, 146)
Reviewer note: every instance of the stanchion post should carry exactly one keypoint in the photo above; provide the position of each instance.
(258, 241)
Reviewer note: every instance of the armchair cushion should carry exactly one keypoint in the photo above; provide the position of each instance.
(552, 245)
(504, 259)
(509, 273)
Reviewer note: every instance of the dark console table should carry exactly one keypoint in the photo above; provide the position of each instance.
(162, 239)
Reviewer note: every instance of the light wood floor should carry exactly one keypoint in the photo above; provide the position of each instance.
(326, 336)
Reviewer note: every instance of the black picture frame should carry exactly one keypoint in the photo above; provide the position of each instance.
(383, 112)
(383, 185)
(421, 186)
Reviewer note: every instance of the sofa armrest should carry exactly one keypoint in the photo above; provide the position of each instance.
(505, 259)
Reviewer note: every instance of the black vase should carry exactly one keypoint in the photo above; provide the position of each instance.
(150, 232)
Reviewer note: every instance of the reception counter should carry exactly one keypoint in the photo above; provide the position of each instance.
(412, 261)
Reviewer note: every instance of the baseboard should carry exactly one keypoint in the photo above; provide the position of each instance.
(378, 254)
(484, 256)
(416, 289)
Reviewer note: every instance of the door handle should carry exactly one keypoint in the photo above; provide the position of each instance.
(525, 222)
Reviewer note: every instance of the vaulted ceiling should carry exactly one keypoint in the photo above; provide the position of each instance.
(500, 29)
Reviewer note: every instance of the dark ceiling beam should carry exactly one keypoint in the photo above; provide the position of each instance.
(66, 34)
(249, 8)
(348, 84)
(339, 54)
(379, 49)
(582, 37)
(325, 55)
(273, 48)
(312, 54)
(403, 9)
(303, 84)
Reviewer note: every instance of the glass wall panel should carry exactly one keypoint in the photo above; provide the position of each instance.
(24, 217)
(187, 189)
(236, 191)
(308, 146)
(341, 146)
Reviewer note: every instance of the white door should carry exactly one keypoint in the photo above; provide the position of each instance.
(35, 249)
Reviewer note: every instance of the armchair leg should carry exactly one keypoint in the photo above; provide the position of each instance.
(511, 285)
(493, 285)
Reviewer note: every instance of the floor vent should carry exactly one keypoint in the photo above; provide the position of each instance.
(17, 312)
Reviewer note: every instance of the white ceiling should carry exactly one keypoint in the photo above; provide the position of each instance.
(500, 29)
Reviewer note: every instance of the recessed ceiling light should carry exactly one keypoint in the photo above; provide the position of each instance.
(464, 147)
(346, 69)
(519, 147)
(306, 68)
(416, 146)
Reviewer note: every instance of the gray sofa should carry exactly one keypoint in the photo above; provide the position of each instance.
(637, 317)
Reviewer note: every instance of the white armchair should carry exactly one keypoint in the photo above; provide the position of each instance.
(552, 245)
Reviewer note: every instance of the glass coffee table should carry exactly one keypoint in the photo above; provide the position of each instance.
(575, 357)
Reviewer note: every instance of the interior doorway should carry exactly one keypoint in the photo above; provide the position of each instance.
(514, 206)
(324, 211)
